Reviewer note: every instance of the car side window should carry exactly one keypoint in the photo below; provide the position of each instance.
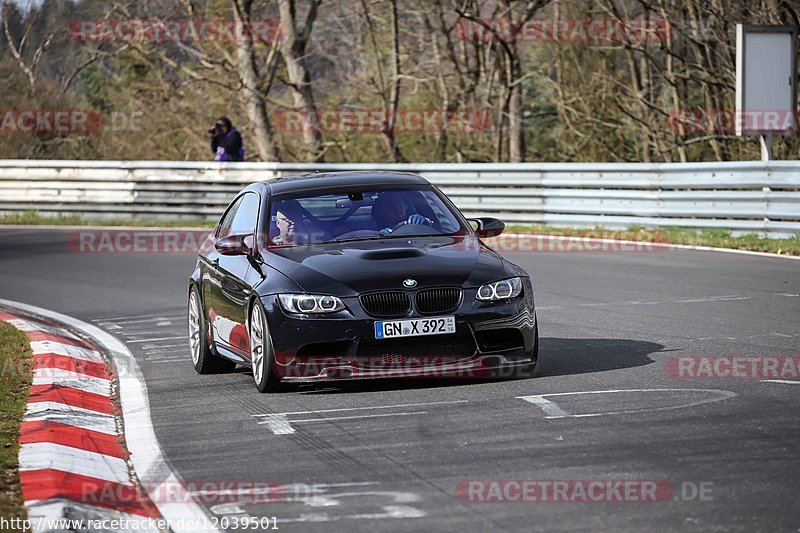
(224, 228)
(246, 217)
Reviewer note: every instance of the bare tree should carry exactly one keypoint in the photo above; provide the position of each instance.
(667, 96)
(19, 49)
(509, 73)
(387, 86)
(294, 49)
(254, 102)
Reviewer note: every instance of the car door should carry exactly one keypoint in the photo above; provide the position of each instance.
(209, 262)
(232, 275)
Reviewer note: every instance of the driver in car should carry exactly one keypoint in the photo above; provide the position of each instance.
(390, 210)
(289, 220)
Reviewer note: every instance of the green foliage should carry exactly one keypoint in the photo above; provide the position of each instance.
(34, 218)
(715, 238)
(16, 366)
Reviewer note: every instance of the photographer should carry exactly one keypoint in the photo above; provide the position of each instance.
(226, 142)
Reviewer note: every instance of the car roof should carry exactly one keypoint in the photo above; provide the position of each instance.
(318, 180)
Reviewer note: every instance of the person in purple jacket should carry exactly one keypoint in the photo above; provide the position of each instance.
(226, 141)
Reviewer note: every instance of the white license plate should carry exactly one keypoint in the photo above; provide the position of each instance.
(437, 325)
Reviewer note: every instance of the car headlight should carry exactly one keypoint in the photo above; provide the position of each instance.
(500, 290)
(310, 303)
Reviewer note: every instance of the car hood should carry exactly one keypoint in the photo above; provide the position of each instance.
(349, 269)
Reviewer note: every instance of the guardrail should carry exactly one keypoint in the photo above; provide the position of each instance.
(740, 196)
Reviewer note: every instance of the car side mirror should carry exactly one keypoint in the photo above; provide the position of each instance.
(488, 227)
(239, 244)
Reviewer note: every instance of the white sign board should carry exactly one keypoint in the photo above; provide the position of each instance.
(766, 92)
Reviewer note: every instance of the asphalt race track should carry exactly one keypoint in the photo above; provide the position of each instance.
(397, 455)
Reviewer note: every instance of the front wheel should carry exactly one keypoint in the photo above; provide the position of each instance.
(204, 361)
(262, 352)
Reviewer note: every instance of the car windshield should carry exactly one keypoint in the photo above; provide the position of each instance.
(360, 215)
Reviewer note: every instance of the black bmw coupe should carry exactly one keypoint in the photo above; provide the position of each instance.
(357, 275)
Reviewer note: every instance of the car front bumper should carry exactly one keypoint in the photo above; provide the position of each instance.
(493, 339)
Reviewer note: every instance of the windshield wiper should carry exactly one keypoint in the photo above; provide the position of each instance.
(353, 239)
(389, 236)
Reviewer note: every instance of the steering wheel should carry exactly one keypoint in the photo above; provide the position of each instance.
(400, 225)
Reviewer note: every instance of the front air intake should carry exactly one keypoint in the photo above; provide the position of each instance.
(386, 304)
(433, 301)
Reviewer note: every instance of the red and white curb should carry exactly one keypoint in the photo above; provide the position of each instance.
(88, 451)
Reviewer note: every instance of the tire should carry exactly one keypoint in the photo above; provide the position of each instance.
(262, 351)
(204, 361)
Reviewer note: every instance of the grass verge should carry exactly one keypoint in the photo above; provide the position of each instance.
(32, 218)
(712, 238)
(16, 366)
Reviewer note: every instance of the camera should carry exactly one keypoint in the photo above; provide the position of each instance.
(214, 131)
